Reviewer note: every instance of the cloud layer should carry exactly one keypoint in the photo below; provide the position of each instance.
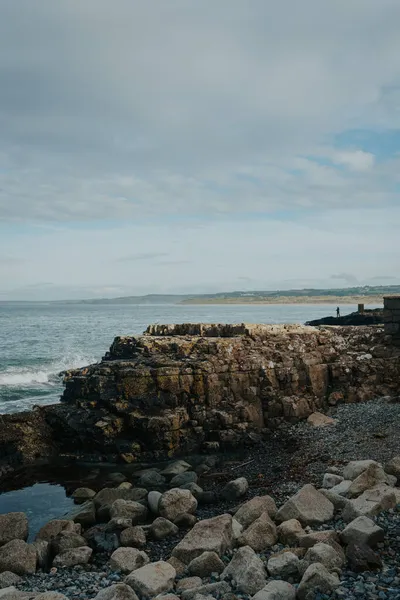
(127, 125)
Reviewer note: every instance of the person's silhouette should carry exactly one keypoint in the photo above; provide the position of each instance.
(337, 312)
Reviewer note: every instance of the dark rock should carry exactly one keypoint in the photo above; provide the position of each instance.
(362, 558)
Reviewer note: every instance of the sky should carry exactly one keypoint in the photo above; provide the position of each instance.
(189, 147)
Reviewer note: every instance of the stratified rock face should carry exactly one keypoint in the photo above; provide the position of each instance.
(179, 387)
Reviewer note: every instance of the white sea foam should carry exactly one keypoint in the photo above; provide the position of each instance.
(46, 375)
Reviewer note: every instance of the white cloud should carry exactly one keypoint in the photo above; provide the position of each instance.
(356, 160)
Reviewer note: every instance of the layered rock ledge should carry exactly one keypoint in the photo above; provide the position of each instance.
(183, 388)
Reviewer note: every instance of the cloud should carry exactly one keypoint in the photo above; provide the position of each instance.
(348, 278)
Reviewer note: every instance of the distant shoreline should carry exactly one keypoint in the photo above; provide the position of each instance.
(289, 300)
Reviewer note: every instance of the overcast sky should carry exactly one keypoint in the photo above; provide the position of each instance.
(152, 146)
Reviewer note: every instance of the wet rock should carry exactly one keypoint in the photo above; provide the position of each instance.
(85, 514)
(81, 495)
(235, 489)
(210, 535)
(254, 508)
(261, 534)
(127, 560)
(285, 566)
(317, 579)
(18, 557)
(205, 564)
(247, 569)
(308, 506)
(119, 591)
(53, 528)
(362, 531)
(13, 526)
(362, 558)
(183, 479)
(162, 528)
(129, 509)
(133, 536)
(73, 557)
(152, 579)
(290, 531)
(175, 502)
(276, 590)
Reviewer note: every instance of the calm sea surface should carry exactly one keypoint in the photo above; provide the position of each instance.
(37, 341)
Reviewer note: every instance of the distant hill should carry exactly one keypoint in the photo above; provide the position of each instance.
(372, 294)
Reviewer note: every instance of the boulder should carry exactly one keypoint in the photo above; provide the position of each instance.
(193, 488)
(362, 531)
(393, 467)
(18, 557)
(125, 485)
(108, 496)
(187, 583)
(84, 514)
(324, 554)
(185, 521)
(43, 554)
(205, 564)
(127, 560)
(133, 536)
(73, 557)
(318, 419)
(247, 569)
(183, 479)
(153, 500)
(235, 489)
(251, 510)
(53, 528)
(207, 591)
(129, 509)
(152, 480)
(276, 590)
(176, 468)
(152, 579)
(361, 558)
(7, 579)
(342, 488)
(290, 531)
(339, 502)
(117, 524)
(373, 475)
(13, 526)
(354, 468)
(308, 506)
(100, 539)
(175, 502)
(370, 503)
(210, 535)
(260, 535)
(66, 541)
(162, 528)
(330, 480)
(308, 540)
(285, 565)
(317, 579)
(118, 591)
(178, 565)
(82, 494)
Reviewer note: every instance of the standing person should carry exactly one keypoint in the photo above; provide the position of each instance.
(337, 312)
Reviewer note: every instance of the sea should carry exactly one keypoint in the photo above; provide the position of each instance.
(40, 340)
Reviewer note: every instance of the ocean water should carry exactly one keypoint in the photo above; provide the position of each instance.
(39, 340)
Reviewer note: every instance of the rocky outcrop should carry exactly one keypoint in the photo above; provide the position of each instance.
(179, 388)
(367, 317)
